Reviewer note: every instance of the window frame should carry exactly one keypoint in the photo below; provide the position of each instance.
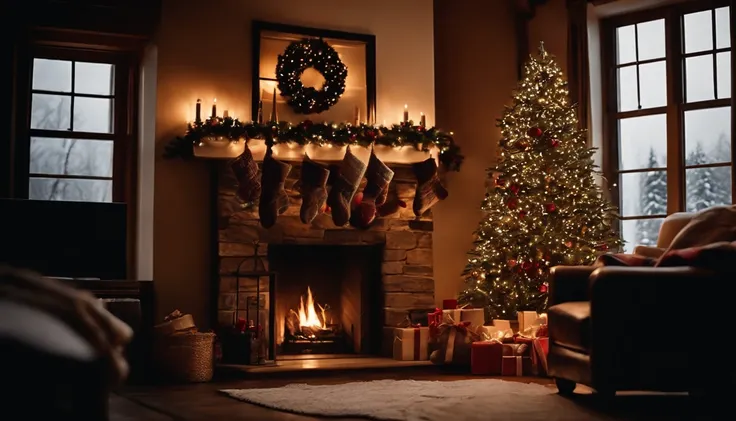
(675, 107)
(123, 114)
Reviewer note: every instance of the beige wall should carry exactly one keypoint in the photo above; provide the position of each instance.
(550, 26)
(475, 72)
(204, 51)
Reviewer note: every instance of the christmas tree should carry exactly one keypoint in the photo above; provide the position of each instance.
(545, 207)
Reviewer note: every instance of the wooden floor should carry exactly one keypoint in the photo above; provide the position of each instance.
(202, 402)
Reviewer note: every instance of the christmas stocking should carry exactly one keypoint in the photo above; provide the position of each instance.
(246, 171)
(312, 186)
(392, 204)
(274, 200)
(429, 189)
(378, 177)
(344, 187)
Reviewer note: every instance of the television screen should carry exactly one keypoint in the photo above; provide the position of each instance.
(65, 239)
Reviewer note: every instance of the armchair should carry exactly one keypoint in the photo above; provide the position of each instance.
(620, 328)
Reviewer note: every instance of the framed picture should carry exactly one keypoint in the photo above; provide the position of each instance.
(357, 52)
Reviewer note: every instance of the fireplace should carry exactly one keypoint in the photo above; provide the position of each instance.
(327, 299)
(365, 280)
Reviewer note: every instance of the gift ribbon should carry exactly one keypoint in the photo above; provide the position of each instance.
(454, 328)
(417, 339)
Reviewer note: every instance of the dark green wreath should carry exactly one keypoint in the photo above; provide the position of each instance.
(317, 54)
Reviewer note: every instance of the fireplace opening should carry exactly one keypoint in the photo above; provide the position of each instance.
(328, 299)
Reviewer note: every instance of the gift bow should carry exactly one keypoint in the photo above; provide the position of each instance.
(537, 330)
(498, 336)
(173, 315)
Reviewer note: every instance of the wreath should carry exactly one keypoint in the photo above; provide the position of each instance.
(319, 55)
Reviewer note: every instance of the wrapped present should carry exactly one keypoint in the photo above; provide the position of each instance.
(476, 316)
(451, 316)
(410, 344)
(450, 304)
(515, 359)
(176, 322)
(526, 319)
(535, 337)
(485, 358)
(502, 324)
(454, 344)
(488, 333)
(420, 316)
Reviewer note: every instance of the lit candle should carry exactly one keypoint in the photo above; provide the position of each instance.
(260, 112)
(423, 120)
(406, 113)
(225, 114)
(214, 108)
(199, 111)
(274, 115)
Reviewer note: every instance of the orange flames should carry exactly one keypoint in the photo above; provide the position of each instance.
(308, 317)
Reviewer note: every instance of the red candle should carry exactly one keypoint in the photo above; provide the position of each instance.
(199, 111)
(214, 108)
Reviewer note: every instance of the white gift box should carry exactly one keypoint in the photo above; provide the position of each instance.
(411, 344)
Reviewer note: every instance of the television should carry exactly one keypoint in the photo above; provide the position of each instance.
(65, 239)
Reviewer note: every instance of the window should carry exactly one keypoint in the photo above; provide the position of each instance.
(78, 131)
(669, 136)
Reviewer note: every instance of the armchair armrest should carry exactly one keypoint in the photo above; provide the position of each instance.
(569, 283)
(648, 251)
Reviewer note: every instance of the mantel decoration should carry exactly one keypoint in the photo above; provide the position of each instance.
(317, 54)
(319, 134)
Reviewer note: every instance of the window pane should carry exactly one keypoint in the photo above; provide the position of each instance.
(640, 232)
(50, 112)
(653, 81)
(708, 136)
(699, 78)
(723, 23)
(93, 78)
(71, 156)
(70, 189)
(644, 193)
(651, 39)
(52, 75)
(698, 31)
(706, 187)
(627, 98)
(625, 44)
(723, 65)
(643, 142)
(93, 115)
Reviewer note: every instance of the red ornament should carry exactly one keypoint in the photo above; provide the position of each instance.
(568, 244)
(534, 132)
(370, 133)
(526, 265)
(543, 288)
(512, 263)
(357, 199)
(602, 247)
(550, 207)
(500, 182)
(555, 143)
(512, 203)
(515, 188)
(522, 214)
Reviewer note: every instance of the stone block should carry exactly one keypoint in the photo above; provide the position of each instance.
(236, 249)
(240, 234)
(379, 224)
(409, 300)
(293, 227)
(394, 255)
(400, 240)
(422, 257)
(342, 236)
(406, 190)
(422, 225)
(398, 225)
(418, 270)
(373, 237)
(323, 221)
(245, 216)
(393, 316)
(404, 283)
(247, 284)
(392, 268)
(229, 265)
(424, 240)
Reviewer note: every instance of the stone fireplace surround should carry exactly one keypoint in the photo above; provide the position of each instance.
(406, 267)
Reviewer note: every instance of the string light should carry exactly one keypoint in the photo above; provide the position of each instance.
(546, 208)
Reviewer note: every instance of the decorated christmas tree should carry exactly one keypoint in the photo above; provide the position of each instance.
(544, 207)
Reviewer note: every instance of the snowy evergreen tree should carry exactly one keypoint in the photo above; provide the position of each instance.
(701, 184)
(722, 175)
(653, 201)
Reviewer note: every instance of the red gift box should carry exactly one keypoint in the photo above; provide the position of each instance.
(485, 358)
(512, 366)
(539, 350)
(449, 304)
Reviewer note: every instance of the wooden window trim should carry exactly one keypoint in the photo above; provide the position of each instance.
(674, 109)
(125, 54)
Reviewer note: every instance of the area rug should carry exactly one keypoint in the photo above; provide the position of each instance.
(409, 400)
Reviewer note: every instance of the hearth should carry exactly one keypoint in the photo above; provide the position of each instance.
(328, 299)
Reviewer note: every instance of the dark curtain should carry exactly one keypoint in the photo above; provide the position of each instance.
(577, 58)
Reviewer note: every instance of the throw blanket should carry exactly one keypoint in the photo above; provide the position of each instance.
(80, 310)
(719, 257)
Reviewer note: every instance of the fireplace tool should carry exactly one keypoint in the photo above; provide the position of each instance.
(251, 343)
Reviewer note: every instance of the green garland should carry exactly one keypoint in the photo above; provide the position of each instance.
(309, 133)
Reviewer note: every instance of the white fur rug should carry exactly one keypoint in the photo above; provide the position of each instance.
(409, 400)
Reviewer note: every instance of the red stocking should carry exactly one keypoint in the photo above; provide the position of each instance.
(246, 172)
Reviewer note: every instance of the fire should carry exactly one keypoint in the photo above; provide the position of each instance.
(308, 314)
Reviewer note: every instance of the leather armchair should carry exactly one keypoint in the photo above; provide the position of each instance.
(631, 328)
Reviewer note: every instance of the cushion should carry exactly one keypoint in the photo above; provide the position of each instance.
(569, 325)
(708, 226)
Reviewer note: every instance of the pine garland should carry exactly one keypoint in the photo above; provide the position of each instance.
(321, 134)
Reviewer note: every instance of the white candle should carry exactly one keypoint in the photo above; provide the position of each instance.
(423, 120)
(406, 113)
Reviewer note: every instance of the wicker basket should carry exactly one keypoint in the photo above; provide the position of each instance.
(187, 357)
